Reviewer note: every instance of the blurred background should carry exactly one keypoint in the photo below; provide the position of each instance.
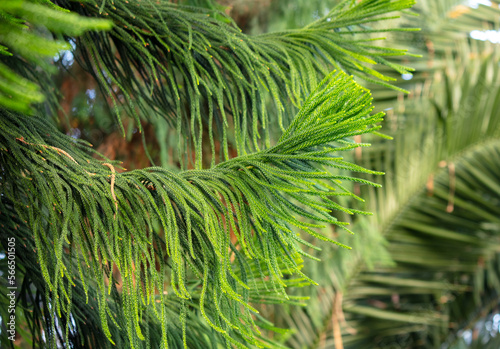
(424, 271)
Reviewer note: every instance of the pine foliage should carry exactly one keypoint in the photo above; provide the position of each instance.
(171, 56)
(183, 281)
(18, 92)
(258, 195)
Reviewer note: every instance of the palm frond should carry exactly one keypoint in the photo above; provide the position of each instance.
(439, 194)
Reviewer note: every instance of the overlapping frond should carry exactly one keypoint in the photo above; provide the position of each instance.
(443, 244)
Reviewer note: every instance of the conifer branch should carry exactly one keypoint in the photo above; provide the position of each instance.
(178, 227)
(18, 92)
(196, 69)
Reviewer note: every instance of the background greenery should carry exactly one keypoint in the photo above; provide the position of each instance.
(423, 272)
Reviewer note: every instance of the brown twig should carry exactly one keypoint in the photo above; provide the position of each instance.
(113, 172)
(337, 310)
(113, 176)
(56, 149)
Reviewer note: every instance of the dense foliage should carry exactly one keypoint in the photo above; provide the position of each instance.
(258, 141)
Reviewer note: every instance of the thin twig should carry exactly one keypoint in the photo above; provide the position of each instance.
(113, 176)
(337, 309)
(59, 150)
(113, 172)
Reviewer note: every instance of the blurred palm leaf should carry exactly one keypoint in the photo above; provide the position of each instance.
(439, 208)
